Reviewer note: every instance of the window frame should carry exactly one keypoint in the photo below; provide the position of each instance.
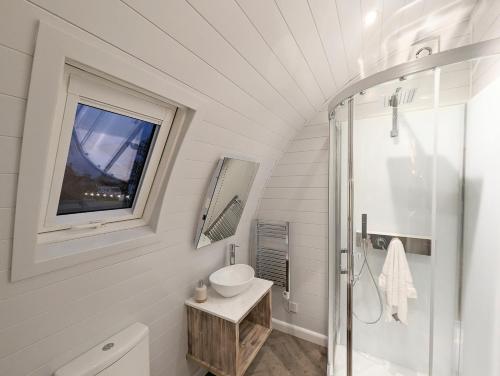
(71, 251)
(85, 88)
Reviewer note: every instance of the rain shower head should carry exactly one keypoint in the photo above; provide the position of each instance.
(399, 97)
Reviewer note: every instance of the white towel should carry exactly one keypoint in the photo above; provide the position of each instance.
(396, 282)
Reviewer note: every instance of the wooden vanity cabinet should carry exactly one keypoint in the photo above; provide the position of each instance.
(225, 334)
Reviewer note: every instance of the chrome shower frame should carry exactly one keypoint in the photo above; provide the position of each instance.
(456, 55)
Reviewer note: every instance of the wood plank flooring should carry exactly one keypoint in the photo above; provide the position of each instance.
(285, 355)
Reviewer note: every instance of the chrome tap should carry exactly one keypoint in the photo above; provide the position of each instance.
(232, 253)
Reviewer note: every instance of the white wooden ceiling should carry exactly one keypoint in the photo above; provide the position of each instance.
(307, 50)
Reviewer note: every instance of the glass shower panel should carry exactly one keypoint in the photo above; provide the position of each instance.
(481, 256)
(393, 156)
(338, 169)
(417, 168)
(466, 279)
(447, 229)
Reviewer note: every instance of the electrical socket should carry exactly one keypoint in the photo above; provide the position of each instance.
(293, 307)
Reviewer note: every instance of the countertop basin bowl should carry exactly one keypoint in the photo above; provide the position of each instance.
(232, 280)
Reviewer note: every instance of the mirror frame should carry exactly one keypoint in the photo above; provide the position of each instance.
(209, 196)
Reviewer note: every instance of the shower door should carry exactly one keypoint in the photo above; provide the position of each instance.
(416, 160)
(387, 166)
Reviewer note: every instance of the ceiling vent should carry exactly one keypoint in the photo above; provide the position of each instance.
(423, 48)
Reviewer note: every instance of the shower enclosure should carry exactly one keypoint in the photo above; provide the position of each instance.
(414, 156)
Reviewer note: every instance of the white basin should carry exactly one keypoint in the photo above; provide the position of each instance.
(232, 280)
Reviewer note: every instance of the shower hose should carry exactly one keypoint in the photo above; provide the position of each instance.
(366, 265)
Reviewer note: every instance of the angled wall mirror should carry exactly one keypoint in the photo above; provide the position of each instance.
(226, 197)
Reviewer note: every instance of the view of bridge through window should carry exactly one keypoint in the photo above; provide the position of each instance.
(107, 156)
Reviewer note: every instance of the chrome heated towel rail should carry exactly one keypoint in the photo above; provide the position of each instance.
(272, 261)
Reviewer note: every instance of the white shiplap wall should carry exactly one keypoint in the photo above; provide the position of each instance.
(298, 192)
(47, 320)
(485, 25)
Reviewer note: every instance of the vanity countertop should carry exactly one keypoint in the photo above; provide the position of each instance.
(235, 308)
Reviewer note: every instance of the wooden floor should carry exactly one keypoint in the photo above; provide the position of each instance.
(285, 355)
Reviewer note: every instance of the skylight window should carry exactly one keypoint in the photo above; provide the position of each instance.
(101, 136)
(107, 157)
(110, 146)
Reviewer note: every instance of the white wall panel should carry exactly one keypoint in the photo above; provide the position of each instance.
(203, 40)
(8, 189)
(14, 72)
(221, 115)
(351, 25)
(484, 18)
(267, 19)
(300, 21)
(6, 223)
(313, 181)
(171, 57)
(308, 145)
(12, 115)
(10, 147)
(298, 192)
(5, 246)
(228, 19)
(304, 193)
(485, 25)
(312, 132)
(314, 156)
(328, 24)
(301, 169)
(319, 206)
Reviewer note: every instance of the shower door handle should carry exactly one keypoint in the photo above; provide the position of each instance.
(342, 270)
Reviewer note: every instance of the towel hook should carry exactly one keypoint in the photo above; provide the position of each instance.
(380, 241)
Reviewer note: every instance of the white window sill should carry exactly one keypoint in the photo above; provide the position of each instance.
(54, 256)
